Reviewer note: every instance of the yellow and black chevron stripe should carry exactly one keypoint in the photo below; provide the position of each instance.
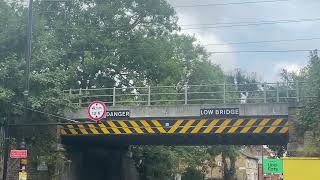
(259, 125)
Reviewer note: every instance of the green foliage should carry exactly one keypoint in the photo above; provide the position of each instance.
(192, 174)
(98, 44)
(310, 114)
(227, 152)
(162, 162)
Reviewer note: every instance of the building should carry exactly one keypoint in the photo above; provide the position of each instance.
(246, 167)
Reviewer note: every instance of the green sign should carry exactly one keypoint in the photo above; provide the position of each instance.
(272, 166)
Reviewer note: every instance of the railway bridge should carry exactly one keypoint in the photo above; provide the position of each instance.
(229, 114)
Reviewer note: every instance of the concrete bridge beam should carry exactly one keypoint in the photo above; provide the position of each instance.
(189, 110)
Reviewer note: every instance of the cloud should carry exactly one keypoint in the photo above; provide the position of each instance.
(290, 67)
(226, 61)
(267, 65)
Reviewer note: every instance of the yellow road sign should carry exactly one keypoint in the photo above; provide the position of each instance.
(23, 175)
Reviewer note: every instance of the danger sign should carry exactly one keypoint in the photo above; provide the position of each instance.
(97, 110)
(18, 154)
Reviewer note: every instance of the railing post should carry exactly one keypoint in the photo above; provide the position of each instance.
(149, 96)
(80, 99)
(114, 97)
(264, 94)
(278, 98)
(224, 93)
(298, 91)
(68, 97)
(287, 91)
(185, 94)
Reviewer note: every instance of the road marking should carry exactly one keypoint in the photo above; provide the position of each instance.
(285, 129)
(125, 127)
(248, 126)
(159, 126)
(235, 126)
(175, 126)
(82, 129)
(274, 125)
(187, 126)
(136, 127)
(104, 128)
(72, 130)
(199, 126)
(211, 126)
(223, 126)
(147, 126)
(63, 132)
(261, 125)
(93, 129)
(113, 127)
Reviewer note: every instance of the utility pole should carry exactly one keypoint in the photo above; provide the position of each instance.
(28, 57)
(23, 162)
(262, 148)
(6, 148)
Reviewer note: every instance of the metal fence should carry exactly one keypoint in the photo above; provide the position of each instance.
(193, 94)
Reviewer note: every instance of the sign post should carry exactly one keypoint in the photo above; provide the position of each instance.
(272, 166)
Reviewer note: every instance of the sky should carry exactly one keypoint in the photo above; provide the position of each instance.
(266, 65)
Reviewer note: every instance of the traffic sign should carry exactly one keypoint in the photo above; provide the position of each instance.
(18, 154)
(272, 166)
(220, 112)
(97, 110)
(23, 175)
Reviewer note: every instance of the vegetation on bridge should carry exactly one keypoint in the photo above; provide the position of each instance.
(309, 116)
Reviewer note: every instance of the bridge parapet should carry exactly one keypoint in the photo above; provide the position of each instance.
(172, 111)
(253, 93)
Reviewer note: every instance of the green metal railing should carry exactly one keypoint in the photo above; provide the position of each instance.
(192, 94)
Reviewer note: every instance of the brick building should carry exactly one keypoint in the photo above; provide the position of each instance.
(246, 167)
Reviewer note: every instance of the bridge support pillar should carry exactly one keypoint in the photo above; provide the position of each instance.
(296, 141)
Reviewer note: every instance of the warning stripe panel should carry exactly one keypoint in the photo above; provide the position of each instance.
(241, 125)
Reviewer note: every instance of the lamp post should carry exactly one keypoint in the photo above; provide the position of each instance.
(262, 162)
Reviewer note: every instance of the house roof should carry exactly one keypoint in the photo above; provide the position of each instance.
(249, 155)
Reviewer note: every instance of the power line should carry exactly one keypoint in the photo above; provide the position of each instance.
(41, 112)
(192, 5)
(227, 4)
(217, 52)
(207, 26)
(213, 52)
(213, 44)
(257, 23)
(262, 51)
(250, 22)
(263, 41)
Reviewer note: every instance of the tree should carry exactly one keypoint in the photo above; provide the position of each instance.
(309, 78)
(98, 44)
(229, 156)
(309, 116)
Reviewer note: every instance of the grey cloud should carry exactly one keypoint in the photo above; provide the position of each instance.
(266, 65)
